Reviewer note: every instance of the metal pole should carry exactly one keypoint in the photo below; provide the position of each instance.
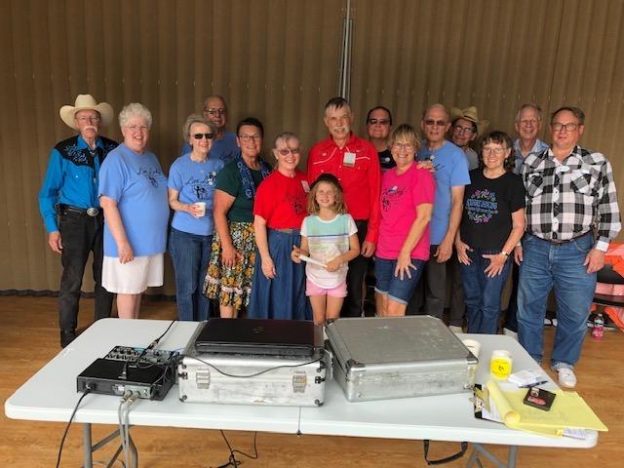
(344, 85)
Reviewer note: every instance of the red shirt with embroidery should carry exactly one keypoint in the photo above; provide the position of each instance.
(282, 200)
(360, 181)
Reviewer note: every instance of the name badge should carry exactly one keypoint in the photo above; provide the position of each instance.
(349, 159)
(306, 187)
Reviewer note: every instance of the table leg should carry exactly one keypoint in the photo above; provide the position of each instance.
(134, 453)
(479, 449)
(512, 457)
(86, 445)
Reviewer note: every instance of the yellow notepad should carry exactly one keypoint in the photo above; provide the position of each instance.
(569, 410)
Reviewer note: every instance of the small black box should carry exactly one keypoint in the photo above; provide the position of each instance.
(539, 398)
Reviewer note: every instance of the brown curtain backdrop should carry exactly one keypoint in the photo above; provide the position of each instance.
(278, 60)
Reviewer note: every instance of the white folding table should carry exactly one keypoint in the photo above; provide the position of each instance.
(50, 395)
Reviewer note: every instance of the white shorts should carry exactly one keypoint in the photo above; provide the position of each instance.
(133, 277)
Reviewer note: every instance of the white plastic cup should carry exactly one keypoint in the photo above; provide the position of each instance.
(202, 209)
(473, 346)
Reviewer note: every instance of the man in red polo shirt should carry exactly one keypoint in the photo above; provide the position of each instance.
(355, 163)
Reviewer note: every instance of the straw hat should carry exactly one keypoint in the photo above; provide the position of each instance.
(86, 102)
(470, 114)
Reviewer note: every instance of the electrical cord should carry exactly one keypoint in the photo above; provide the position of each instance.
(123, 415)
(136, 362)
(71, 418)
(255, 374)
(232, 461)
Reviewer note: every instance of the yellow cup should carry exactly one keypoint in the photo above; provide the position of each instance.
(500, 364)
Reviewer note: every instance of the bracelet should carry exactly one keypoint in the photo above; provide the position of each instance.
(504, 253)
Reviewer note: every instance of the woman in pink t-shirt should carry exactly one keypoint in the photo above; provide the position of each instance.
(407, 194)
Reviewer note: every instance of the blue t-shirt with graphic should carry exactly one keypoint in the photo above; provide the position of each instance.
(451, 170)
(137, 183)
(195, 182)
(488, 206)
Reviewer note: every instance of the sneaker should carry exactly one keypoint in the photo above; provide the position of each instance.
(566, 377)
(456, 329)
(508, 332)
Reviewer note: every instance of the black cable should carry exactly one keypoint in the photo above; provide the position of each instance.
(255, 448)
(71, 418)
(255, 374)
(136, 362)
(157, 340)
(232, 461)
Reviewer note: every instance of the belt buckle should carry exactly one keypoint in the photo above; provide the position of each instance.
(93, 212)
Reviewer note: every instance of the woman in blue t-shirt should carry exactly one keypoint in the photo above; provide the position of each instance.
(191, 193)
(133, 195)
(491, 226)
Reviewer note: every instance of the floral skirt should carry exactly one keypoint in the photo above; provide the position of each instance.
(232, 285)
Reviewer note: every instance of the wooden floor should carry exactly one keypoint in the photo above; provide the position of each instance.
(29, 338)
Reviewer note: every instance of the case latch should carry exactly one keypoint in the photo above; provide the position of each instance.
(202, 378)
(299, 382)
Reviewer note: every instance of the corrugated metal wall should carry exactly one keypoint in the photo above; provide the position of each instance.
(278, 60)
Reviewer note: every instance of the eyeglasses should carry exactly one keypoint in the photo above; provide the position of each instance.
(378, 121)
(250, 137)
(207, 136)
(287, 151)
(460, 130)
(220, 111)
(497, 151)
(569, 127)
(403, 146)
(91, 118)
(438, 123)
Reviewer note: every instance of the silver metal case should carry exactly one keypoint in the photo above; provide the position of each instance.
(255, 380)
(385, 358)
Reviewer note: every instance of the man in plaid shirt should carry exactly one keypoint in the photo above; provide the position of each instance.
(572, 215)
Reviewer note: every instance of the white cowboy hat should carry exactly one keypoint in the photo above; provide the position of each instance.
(86, 102)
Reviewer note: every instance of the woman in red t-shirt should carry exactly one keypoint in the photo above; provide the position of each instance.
(278, 287)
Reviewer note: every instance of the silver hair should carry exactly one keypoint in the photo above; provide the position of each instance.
(135, 109)
(193, 119)
(285, 136)
(529, 105)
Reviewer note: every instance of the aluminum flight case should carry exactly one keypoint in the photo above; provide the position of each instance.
(253, 379)
(399, 357)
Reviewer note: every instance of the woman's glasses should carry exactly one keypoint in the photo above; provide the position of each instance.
(207, 136)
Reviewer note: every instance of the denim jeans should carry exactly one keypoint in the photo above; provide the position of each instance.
(190, 254)
(81, 234)
(481, 293)
(559, 266)
(397, 289)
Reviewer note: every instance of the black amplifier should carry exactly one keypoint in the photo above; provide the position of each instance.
(148, 373)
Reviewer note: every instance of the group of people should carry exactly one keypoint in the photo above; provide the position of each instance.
(262, 236)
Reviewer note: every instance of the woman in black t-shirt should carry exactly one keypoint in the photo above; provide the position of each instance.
(492, 224)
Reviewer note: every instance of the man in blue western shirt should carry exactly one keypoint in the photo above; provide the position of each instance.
(70, 208)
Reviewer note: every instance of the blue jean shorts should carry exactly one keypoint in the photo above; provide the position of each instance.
(397, 289)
